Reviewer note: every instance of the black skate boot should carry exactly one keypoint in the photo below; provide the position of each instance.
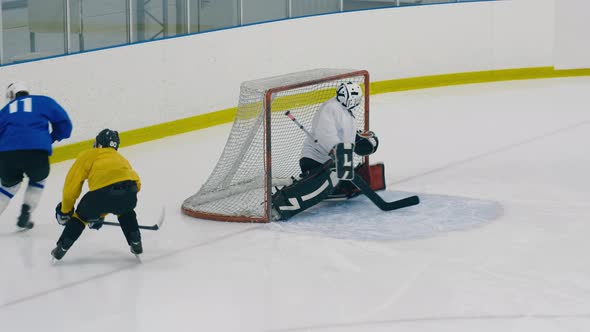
(61, 249)
(135, 243)
(24, 221)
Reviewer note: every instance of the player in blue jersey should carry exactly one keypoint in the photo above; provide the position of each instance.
(25, 145)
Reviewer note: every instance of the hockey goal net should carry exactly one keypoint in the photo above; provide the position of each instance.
(264, 145)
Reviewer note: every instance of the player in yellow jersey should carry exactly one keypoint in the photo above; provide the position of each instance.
(113, 186)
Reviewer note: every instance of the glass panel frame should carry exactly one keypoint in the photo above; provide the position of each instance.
(210, 14)
(35, 29)
(255, 11)
(299, 8)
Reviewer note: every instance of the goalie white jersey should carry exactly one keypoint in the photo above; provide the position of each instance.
(331, 124)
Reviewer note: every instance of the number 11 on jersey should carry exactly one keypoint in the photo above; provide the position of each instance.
(25, 105)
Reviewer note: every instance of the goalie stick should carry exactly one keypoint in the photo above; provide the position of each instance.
(363, 186)
(290, 116)
(154, 227)
(377, 200)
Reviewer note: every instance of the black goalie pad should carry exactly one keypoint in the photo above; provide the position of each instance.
(302, 194)
(374, 176)
(343, 161)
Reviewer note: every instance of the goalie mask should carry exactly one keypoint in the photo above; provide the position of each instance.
(107, 139)
(14, 88)
(349, 95)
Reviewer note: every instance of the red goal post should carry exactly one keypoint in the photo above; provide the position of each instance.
(262, 151)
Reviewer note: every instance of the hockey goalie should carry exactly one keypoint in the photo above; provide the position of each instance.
(326, 162)
(257, 178)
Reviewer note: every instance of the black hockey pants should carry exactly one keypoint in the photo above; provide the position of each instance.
(119, 199)
(15, 164)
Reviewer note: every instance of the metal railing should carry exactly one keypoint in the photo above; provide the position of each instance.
(36, 29)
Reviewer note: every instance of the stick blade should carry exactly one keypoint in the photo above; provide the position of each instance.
(378, 201)
(162, 218)
(402, 203)
(154, 227)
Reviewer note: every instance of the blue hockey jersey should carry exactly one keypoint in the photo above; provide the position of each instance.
(24, 124)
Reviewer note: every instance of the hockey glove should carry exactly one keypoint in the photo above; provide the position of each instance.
(366, 143)
(95, 224)
(62, 218)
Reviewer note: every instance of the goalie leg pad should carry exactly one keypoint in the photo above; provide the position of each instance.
(374, 175)
(302, 194)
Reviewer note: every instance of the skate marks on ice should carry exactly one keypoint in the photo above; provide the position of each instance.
(359, 219)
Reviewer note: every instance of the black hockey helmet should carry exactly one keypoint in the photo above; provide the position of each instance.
(107, 139)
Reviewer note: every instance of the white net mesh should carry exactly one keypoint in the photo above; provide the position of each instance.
(238, 188)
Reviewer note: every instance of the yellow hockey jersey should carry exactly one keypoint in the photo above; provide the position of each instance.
(101, 167)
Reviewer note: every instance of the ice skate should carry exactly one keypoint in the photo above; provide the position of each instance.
(61, 249)
(58, 253)
(136, 248)
(135, 243)
(23, 221)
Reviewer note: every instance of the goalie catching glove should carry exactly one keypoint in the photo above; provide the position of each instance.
(366, 143)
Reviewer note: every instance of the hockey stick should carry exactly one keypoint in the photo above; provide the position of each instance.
(290, 116)
(364, 187)
(151, 228)
(377, 200)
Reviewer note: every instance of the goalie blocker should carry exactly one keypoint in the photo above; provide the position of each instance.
(366, 143)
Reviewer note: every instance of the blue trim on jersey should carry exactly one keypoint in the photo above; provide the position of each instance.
(36, 185)
(6, 193)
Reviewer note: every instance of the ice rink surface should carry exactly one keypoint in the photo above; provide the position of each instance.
(500, 241)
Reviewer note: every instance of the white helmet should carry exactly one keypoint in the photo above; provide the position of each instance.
(349, 94)
(14, 88)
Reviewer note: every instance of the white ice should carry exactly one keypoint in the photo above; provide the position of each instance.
(499, 242)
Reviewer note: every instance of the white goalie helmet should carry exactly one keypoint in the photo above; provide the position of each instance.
(14, 88)
(349, 94)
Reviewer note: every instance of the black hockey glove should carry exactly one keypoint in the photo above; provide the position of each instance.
(95, 224)
(62, 218)
(366, 143)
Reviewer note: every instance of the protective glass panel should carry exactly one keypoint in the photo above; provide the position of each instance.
(102, 23)
(158, 19)
(214, 14)
(32, 29)
(313, 7)
(263, 10)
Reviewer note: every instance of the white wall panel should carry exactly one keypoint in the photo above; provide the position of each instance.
(144, 84)
(523, 33)
(572, 34)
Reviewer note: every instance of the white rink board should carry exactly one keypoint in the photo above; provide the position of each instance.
(145, 84)
(572, 48)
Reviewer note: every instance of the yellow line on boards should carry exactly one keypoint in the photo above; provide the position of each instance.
(151, 133)
(207, 120)
(425, 82)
